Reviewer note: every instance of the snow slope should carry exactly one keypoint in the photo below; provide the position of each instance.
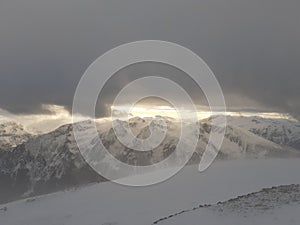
(112, 204)
(276, 205)
(280, 131)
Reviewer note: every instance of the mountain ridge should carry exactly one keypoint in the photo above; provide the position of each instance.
(52, 161)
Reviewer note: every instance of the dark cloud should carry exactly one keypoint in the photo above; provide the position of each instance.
(252, 46)
(144, 69)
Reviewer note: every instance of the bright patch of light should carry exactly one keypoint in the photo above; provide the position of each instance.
(151, 111)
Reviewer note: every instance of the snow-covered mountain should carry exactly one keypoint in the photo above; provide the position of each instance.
(52, 161)
(238, 143)
(280, 131)
(43, 164)
(12, 134)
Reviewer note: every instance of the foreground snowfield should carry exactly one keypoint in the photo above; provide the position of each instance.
(113, 204)
(269, 206)
(286, 215)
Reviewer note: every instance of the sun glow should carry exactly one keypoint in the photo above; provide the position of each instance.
(152, 111)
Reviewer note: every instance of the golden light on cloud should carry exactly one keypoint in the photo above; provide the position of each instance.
(155, 106)
(202, 113)
(147, 111)
(152, 111)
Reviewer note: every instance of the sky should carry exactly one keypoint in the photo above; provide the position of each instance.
(251, 46)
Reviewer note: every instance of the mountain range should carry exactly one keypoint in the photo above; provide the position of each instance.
(38, 164)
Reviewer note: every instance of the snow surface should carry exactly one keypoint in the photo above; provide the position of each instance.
(112, 204)
(285, 215)
(274, 205)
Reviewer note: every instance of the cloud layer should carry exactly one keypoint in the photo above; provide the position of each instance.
(252, 47)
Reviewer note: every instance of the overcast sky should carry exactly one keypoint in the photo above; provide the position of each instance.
(252, 46)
